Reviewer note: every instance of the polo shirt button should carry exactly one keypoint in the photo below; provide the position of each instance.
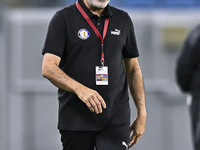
(98, 24)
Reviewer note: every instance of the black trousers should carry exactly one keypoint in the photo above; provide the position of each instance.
(115, 138)
(195, 121)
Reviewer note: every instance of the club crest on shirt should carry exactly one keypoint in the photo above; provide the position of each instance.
(83, 34)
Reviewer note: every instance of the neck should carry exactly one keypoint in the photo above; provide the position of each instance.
(94, 10)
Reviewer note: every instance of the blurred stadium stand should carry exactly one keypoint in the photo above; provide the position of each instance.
(28, 103)
(180, 3)
(139, 3)
(118, 3)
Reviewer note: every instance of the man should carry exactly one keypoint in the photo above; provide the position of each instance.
(188, 75)
(89, 53)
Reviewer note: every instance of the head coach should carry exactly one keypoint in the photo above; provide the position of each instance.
(90, 54)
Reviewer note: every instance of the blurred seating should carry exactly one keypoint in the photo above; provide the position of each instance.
(197, 3)
(139, 3)
(117, 3)
(67, 2)
(180, 3)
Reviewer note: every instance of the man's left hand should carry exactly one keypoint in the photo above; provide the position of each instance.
(137, 130)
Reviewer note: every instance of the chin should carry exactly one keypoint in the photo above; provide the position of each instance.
(98, 3)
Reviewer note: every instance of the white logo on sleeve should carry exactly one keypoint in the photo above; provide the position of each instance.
(123, 143)
(116, 32)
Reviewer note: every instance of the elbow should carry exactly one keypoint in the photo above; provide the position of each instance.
(49, 64)
(45, 71)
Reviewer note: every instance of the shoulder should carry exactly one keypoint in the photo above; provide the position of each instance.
(67, 10)
(122, 17)
(64, 14)
(194, 36)
(119, 13)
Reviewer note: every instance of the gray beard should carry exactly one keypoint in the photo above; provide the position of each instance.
(97, 4)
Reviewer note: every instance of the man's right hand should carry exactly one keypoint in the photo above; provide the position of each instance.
(92, 99)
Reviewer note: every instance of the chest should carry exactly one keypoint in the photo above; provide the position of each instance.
(81, 33)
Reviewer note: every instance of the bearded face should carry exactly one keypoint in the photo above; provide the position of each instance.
(98, 3)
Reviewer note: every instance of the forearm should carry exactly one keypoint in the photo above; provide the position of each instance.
(61, 80)
(51, 71)
(136, 87)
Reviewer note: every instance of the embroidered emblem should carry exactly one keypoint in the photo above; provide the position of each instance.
(83, 34)
(116, 32)
(123, 143)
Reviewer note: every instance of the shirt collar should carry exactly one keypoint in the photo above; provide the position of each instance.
(107, 11)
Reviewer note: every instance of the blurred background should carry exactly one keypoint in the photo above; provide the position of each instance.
(28, 103)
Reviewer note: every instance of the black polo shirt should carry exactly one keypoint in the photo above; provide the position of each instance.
(72, 39)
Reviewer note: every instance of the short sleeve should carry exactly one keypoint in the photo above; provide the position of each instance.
(130, 50)
(56, 36)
